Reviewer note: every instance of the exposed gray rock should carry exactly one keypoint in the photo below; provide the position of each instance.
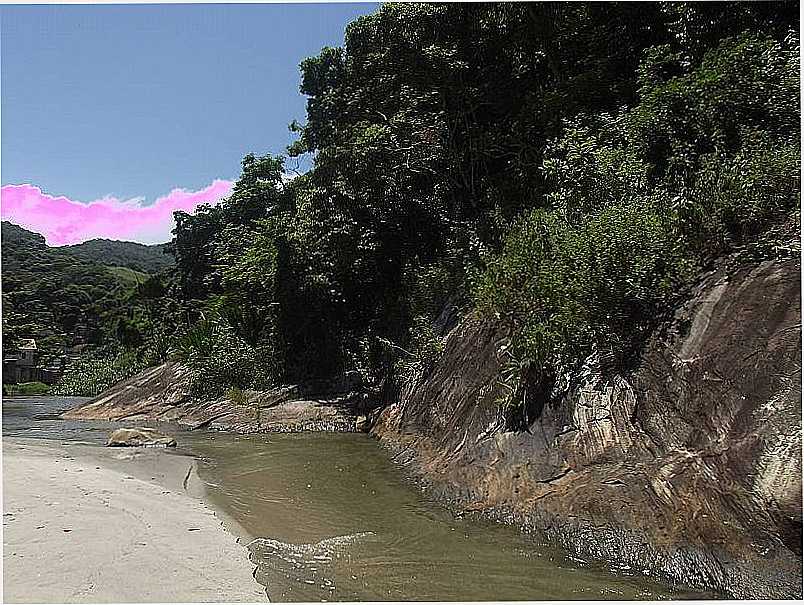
(162, 393)
(689, 465)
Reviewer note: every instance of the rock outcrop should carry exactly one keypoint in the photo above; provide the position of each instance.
(162, 393)
(688, 466)
(140, 437)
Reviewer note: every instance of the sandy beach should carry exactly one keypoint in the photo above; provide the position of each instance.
(85, 524)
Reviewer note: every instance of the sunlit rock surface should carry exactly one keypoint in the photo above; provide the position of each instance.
(162, 393)
(688, 466)
(140, 437)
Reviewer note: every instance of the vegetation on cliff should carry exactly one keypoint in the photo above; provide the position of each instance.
(568, 167)
(706, 162)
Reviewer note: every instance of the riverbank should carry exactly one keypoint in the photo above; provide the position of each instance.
(687, 466)
(164, 394)
(327, 516)
(88, 524)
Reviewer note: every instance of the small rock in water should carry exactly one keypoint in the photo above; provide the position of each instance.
(362, 424)
(140, 437)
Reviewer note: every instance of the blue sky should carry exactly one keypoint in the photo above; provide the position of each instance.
(134, 101)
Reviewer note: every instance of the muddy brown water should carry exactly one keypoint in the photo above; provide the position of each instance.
(329, 517)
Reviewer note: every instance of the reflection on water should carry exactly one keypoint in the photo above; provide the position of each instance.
(329, 518)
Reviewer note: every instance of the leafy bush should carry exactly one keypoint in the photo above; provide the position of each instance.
(92, 374)
(707, 161)
(219, 358)
(566, 288)
(196, 341)
(26, 388)
(156, 349)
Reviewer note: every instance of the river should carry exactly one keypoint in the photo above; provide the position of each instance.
(329, 517)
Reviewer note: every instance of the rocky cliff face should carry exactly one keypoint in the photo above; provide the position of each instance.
(688, 465)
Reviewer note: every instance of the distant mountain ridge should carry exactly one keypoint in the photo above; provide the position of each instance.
(63, 295)
(140, 257)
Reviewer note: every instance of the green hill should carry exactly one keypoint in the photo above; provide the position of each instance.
(61, 298)
(142, 258)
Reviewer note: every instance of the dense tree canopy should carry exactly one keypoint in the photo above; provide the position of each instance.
(566, 167)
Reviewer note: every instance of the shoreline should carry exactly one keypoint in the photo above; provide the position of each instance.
(85, 523)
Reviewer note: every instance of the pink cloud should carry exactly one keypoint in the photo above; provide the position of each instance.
(65, 221)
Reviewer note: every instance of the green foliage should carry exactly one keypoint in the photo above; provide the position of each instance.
(257, 194)
(128, 277)
(568, 167)
(197, 340)
(219, 358)
(568, 288)
(428, 127)
(237, 396)
(706, 162)
(55, 297)
(425, 341)
(92, 374)
(118, 315)
(131, 255)
(26, 388)
(747, 85)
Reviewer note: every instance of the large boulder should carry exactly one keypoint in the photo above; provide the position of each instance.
(140, 437)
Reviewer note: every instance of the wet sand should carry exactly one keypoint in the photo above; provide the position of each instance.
(86, 524)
